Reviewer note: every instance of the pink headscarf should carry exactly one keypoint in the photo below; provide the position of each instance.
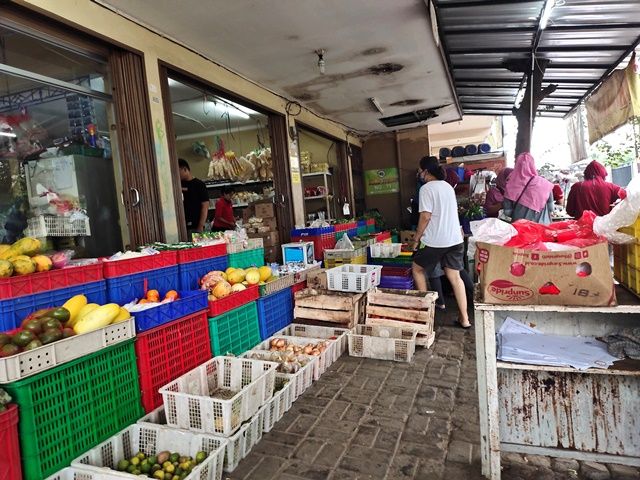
(537, 193)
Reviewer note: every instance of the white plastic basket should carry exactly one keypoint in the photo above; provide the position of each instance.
(249, 244)
(324, 360)
(383, 343)
(57, 226)
(339, 335)
(300, 381)
(385, 250)
(188, 402)
(353, 278)
(151, 440)
(25, 364)
(277, 406)
(73, 473)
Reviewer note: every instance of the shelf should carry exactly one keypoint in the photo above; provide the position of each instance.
(228, 184)
(314, 174)
(622, 367)
(316, 197)
(235, 205)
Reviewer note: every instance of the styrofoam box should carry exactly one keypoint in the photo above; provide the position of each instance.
(383, 343)
(25, 364)
(324, 360)
(300, 381)
(188, 402)
(353, 278)
(151, 440)
(313, 331)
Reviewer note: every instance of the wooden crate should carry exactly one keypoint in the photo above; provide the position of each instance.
(402, 308)
(324, 307)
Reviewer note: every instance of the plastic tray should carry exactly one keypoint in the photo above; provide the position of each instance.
(10, 457)
(383, 237)
(385, 250)
(353, 278)
(383, 343)
(247, 258)
(22, 285)
(235, 300)
(169, 351)
(189, 302)
(43, 358)
(341, 254)
(398, 283)
(188, 402)
(69, 409)
(300, 381)
(235, 331)
(13, 311)
(249, 244)
(122, 290)
(284, 281)
(275, 312)
(129, 266)
(189, 274)
(324, 360)
(205, 252)
(340, 335)
(151, 440)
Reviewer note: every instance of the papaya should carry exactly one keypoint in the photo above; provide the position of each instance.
(74, 304)
(6, 268)
(25, 246)
(98, 318)
(23, 265)
(43, 263)
(4, 247)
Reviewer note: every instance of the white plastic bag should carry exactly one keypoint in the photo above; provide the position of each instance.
(622, 215)
(344, 243)
(489, 230)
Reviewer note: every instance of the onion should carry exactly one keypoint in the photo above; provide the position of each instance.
(280, 342)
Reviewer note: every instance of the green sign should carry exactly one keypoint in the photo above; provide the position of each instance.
(381, 181)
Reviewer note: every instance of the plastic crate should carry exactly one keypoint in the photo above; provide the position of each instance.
(188, 402)
(198, 253)
(249, 244)
(296, 287)
(188, 303)
(69, 409)
(14, 310)
(151, 440)
(284, 281)
(300, 381)
(324, 360)
(390, 271)
(383, 237)
(22, 285)
(31, 362)
(57, 226)
(385, 250)
(398, 283)
(400, 261)
(10, 457)
(344, 255)
(122, 290)
(189, 274)
(235, 300)
(235, 331)
(383, 343)
(362, 260)
(322, 239)
(166, 352)
(130, 266)
(353, 278)
(279, 404)
(313, 331)
(275, 312)
(361, 230)
(247, 258)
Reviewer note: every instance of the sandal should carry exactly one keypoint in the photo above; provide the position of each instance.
(466, 327)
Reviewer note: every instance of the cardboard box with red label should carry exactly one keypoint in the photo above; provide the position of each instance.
(579, 277)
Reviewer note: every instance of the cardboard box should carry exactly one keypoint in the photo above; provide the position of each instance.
(265, 210)
(317, 279)
(270, 239)
(270, 222)
(580, 277)
(406, 236)
(272, 254)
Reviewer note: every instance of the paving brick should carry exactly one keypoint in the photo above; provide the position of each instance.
(327, 433)
(307, 471)
(460, 452)
(376, 466)
(268, 447)
(355, 413)
(302, 424)
(594, 471)
(340, 474)
(623, 472)
(284, 438)
(403, 467)
(330, 454)
(365, 436)
(308, 450)
(267, 469)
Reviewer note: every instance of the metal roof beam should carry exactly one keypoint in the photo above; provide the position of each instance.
(558, 49)
(480, 3)
(552, 65)
(559, 29)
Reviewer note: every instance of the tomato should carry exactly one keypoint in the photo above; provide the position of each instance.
(172, 295)
(153, 296)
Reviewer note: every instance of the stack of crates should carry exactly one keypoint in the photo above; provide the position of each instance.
(626, 260)
(337, 257)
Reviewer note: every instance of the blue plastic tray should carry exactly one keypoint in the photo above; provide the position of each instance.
(399, 283)
(191, 273)
(188, 303)
(122, 290)
(13, 311)
(275, 312)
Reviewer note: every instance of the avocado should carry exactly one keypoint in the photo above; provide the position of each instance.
(51, 324)
(22, 338)
(34, 326)
(8, 350)
(4, 339)
(61, 314)
(68, 332)
(38, 314)
(50, 336)
(32, 345)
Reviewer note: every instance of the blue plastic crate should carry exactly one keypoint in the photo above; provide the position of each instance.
(275, 312)
(191, 273)
(311, 232)
(352, 232)
(398, 283)
(189, 302)
(14, 310)
(122, 290)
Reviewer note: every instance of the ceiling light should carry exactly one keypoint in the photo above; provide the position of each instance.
(546, 13)
(8, 134)
(229, 108)
(376, 104)
(173, 83)
(321, 63)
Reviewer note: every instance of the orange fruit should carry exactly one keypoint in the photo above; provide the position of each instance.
(153, 296)
(144, 300)
(172, 295)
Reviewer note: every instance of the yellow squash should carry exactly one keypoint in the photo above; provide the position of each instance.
(122, 315)
(74, 305)
(98, 318)
(88, 308)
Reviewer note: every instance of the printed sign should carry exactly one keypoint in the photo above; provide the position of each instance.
(381, 181)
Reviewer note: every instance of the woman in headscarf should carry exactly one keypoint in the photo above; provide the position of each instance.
(495, 195)
(593, 193)
(528, 196)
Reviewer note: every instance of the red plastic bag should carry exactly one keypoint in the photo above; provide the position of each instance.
(575, 233)
(530, 235)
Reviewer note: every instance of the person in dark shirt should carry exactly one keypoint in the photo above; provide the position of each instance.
(195, 198)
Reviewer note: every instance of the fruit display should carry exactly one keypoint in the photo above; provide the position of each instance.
(152, 299)
(222, 284)
(24, 258)
(162, 466)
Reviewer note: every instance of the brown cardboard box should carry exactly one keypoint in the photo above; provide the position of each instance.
(580, 277)
(270, 239)
(265, 210)
(270, 222)
(406, 236)
(317, 279)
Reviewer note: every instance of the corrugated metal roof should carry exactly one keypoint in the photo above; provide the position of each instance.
(584, 41)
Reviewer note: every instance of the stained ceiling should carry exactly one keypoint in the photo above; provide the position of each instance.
(373, 48)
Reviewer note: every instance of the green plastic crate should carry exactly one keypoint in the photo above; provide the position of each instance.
(235, 331)
(371, 229)
(69, 409)
(362, 230)
(247, 258)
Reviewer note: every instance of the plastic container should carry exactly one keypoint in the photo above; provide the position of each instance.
(31, 362)
(71, 408)
(390, 271)
(484, 148)
(353, 278)
(22, 285)
(189, 302)
(73, 473)
(249, 244)
(189, 404)
(371, 226)
(470, 150)
(398, 283)
(296, 287)
(151, 440)
(275, 312)
(284, 281)
(444, 152)
(313, 331)
(235, 300)
(280, 403)
(205, 252)
(166, 352)
(10, 468)
(123, 289)
(130, 266)
(457, 151)
(383, 237)
(324, 360)
(322, 238)
(247, 258)
(383, 343)
(385, 250)
(14, 310)
(189, 274)
(235, 331)
(299, 381)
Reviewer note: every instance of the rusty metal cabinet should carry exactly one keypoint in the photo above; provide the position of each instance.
(591, 415)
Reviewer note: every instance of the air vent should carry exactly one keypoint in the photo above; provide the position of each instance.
(409, 117)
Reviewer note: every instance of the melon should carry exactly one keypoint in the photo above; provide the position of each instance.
(235, 277)
(229, 270)
(238, 287)
(265, 272)
(222, 289)
(253, 277)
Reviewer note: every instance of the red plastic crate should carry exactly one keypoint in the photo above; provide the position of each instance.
(341, 227)
(382, 236)
(166, 352)
(129, 266)
(22, 285)
(371, 221)
(234, 300)
(10, 468)
(298, 286)
(396, 272)
(321, 243)
(201, 253)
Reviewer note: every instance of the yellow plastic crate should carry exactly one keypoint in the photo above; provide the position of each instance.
(633, 280)
(361, 260)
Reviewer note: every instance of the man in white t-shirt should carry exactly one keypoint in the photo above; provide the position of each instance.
(438, 234)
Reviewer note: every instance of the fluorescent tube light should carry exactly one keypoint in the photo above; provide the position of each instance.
(8, 134)
(376, 104)
(546, 13)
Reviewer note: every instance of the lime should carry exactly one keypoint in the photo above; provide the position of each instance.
(201, 457)
(122, 465)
